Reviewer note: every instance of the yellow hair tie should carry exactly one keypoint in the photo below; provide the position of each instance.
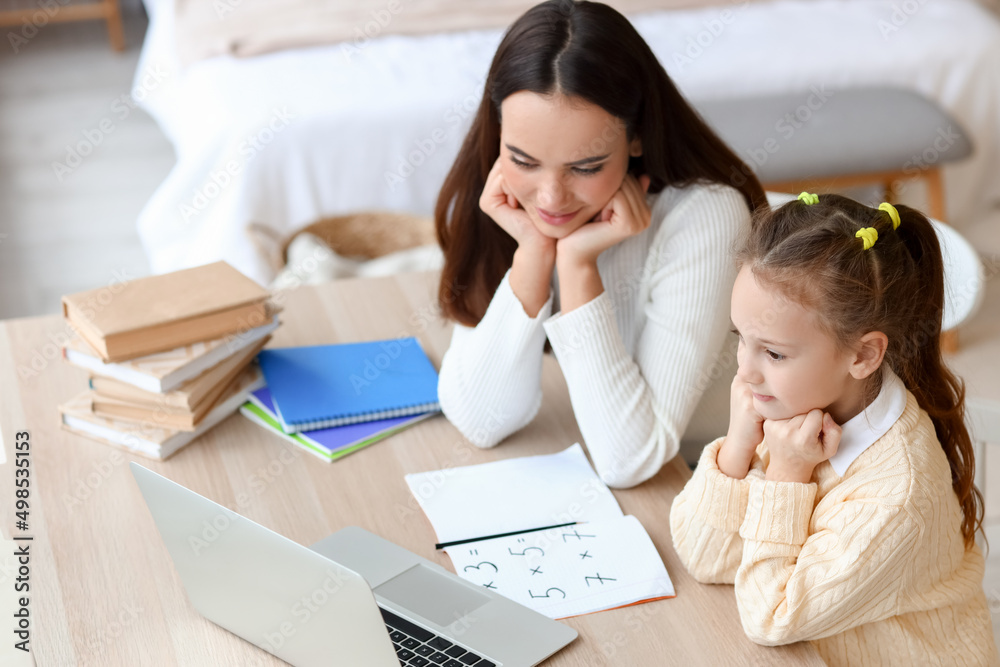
(868, 235)
(807, 198)
(891, 210)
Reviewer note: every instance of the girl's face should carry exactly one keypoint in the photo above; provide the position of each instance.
(791, 365)
(562, 158)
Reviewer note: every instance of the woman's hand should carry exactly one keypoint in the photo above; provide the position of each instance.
(627, 214)
(797, 445)
(535, 257)
(746, 431)
(498, 203)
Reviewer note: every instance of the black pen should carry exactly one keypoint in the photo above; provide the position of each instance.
(442, 545)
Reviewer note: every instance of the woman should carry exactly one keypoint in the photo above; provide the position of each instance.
(588, 186)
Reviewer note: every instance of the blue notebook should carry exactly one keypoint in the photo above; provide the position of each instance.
(331, 385)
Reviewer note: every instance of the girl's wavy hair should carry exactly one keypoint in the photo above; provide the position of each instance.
(589, 51)
(811, 255)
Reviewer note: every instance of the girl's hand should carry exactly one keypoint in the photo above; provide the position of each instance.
(746, 431)
(627, 214)
(498, 203)
(799, 444)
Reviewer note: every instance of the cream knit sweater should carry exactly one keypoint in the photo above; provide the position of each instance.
(871, 567)
(638, 359)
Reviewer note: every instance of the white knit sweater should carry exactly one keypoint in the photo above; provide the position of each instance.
(638, 359)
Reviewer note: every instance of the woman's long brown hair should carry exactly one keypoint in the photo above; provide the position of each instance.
(811, 254)
(589, 51)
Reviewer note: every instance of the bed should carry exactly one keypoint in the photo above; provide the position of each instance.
(268, 141)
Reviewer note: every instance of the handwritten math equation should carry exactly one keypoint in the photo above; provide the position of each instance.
(565, 571)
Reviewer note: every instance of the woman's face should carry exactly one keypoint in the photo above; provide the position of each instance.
(562, 158)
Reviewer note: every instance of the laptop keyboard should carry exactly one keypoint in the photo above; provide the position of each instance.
(418, 647)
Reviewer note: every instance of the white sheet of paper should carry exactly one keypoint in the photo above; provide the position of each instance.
(569, 571)
(514, 494)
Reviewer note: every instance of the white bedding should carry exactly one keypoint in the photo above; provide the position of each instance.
(308, 133)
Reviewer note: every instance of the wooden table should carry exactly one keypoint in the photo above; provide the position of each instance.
(104, 591)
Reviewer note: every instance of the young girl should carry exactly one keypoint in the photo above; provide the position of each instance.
(841, 501)
(588, 187)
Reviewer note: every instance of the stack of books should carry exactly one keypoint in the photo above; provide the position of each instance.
(169, 356)
(332, 400)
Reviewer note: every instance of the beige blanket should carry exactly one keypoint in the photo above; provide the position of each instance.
(208, 28)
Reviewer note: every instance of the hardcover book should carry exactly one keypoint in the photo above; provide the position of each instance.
(180, 418)
(190, 396)
(162, 312)
(166, 371)
(150, 440)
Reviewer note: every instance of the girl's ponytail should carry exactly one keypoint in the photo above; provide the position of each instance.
(918, 362)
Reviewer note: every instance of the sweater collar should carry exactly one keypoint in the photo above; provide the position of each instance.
(861, 431)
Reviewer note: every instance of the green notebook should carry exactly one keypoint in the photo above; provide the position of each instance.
(259, 415)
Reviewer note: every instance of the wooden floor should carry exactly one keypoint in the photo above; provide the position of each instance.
(60, 236)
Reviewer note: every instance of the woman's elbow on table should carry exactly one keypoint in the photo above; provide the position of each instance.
(623, 470)
(479, 436)
(485, 426)
(621, 478)
(469, 424)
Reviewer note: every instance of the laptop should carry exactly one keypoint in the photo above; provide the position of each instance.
(351, 599)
